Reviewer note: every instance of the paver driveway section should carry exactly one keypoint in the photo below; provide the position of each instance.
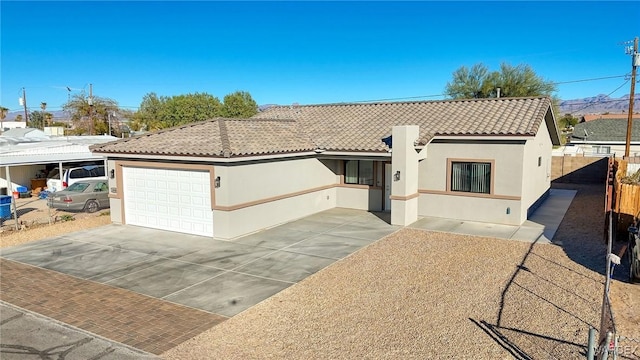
(215, 276)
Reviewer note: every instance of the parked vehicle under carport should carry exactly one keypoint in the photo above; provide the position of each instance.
(86, 195)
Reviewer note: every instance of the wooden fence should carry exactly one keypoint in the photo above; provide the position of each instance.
(626, 196)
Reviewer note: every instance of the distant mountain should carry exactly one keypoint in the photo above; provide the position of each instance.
(58, 115)
(598, 105)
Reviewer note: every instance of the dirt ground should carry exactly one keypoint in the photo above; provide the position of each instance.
(36, 221)
(584, 218)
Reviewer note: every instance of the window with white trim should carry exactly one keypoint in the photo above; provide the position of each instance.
(601, 149)
(474, 177)
(358, 172)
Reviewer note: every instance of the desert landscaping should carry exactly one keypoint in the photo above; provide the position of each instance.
(417, 294)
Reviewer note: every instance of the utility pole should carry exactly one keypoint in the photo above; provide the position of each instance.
(635, 60)
(24, 103)
(90, 109)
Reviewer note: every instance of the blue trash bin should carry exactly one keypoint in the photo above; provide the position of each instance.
(5, 207)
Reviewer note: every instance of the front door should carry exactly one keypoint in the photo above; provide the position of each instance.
(387, 187)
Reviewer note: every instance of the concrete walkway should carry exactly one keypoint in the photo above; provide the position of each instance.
(541, 226)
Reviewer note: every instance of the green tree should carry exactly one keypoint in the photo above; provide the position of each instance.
(184, 109)
(150, 115)
(90, 116)
(163, 112)
(239, 104)
(39, 119)
(567, 120)
(513, 81)
(468, 83)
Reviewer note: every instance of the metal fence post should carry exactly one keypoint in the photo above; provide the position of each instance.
(591, 346)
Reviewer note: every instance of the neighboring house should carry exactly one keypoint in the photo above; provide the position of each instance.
(483, 160)
(605, 137)
(7, 125)
(28, 133)
(25, 158)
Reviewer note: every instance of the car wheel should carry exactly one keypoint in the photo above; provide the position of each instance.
(91, 206)
(634, 271)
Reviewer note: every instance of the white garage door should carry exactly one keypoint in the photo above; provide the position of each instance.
(175, 200)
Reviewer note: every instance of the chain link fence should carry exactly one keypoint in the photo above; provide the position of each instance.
(611, 343)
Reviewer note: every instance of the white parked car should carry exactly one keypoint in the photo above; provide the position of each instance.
(73, 175)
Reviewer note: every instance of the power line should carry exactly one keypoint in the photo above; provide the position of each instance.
(598, 102)
(592, 79)
(443, 95)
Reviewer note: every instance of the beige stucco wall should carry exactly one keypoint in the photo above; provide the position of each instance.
(255, 196)
(537, 179)
(255, 182)
(434, 199)
(359, 198)
(232, 224)
(404, 188)
(471, 208)
(115, 204)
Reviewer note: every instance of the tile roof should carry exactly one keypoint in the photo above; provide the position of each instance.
(338, 127)
(217, 138)
(614, 130)
(359, 127)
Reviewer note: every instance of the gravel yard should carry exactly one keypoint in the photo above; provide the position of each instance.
(34, 216)
(418, 294)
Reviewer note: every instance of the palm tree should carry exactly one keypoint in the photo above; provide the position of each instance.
(3, 115)
(48, 117)
(43, 106)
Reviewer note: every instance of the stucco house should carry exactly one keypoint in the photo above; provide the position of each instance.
(483, 160)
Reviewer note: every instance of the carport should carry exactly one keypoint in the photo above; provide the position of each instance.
(22, 158)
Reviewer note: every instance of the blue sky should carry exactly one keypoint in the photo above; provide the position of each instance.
(302, 52)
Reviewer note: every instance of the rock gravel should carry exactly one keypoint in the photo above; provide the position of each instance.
(43, 231)
(418, 294)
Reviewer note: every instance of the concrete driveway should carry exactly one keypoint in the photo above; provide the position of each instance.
(196, 274)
